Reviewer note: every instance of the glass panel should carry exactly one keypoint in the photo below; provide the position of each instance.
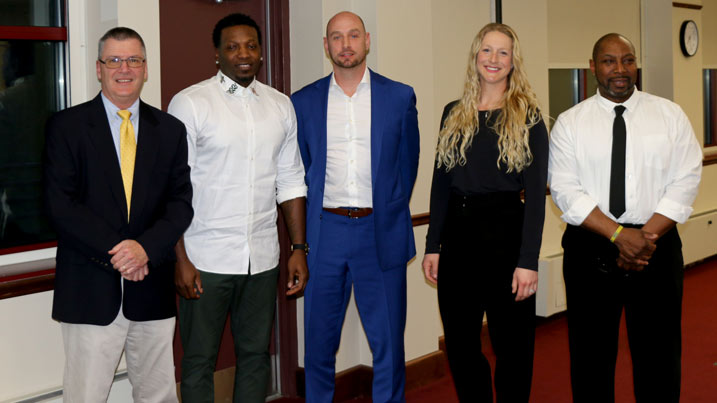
(30, 91)
(39, 13)
(710, 94)
(563, 88)
(590, 83)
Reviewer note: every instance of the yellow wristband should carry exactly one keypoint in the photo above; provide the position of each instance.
(617, 232)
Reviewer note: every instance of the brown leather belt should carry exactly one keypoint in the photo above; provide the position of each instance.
(350, 212)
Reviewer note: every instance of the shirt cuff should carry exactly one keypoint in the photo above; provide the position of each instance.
(290, 193)
(579, 211)
(673, 210)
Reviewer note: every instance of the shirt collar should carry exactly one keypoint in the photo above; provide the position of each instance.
(112, 109)
(365, 81)
(232, 88)
(629, 105)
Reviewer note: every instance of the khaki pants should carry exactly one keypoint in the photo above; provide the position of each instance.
(92, 354)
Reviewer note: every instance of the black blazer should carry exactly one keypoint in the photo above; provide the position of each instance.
(85, 201)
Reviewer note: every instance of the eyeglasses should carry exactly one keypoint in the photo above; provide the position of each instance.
(116, 62)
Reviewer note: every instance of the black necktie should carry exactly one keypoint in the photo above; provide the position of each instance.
(617, 167)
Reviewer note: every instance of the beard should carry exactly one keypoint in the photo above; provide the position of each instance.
(347, 63)
(618, 93)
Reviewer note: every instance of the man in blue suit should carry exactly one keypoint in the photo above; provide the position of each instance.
(358, 136)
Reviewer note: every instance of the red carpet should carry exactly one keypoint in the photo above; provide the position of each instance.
(551, 376)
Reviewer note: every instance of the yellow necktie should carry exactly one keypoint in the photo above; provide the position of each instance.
(128, 150)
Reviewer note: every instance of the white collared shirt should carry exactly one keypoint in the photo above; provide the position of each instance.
(663, 160)
(244, 159)
(348, 146)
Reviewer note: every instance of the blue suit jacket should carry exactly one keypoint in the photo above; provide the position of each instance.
(394, 163)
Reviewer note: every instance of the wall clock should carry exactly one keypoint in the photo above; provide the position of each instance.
(689, 38)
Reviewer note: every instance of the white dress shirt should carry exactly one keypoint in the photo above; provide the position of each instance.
(348, 146)
(663, 160)
(244, 159)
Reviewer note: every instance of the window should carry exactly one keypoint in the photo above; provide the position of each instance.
(710, 81)
(32, 87)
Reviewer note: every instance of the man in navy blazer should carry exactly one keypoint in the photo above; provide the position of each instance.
(358, 136)
(100, 242)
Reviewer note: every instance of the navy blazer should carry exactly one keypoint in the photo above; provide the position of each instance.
(394, 163)
(85, 201)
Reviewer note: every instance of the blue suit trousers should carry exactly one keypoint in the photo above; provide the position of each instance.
(347, 256)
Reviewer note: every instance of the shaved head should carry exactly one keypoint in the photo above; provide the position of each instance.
(343, 14)
(610, 37)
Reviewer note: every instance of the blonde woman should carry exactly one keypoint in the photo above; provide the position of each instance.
(492, 146)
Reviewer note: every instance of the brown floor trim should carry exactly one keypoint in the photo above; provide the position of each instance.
(425, 370)
(355, 382)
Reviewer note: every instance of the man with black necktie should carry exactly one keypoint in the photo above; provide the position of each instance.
(624, 169)
(118, 192)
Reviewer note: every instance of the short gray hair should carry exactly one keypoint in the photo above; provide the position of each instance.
(120, 34)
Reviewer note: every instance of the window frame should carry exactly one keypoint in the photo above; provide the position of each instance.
(29, 268)
(709, 80)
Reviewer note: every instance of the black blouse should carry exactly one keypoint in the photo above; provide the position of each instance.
(481, 175)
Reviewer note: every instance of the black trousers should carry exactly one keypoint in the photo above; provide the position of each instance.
(597, 292)
(480, 244)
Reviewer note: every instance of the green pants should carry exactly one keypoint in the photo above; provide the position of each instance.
(250, 300)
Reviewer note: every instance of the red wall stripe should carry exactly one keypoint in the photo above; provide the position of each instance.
(33, 33)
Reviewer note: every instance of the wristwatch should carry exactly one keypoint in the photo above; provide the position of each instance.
(300, 246)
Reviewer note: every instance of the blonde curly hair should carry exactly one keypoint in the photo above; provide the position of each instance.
(520, 112)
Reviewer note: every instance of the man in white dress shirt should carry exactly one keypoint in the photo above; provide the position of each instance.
(244, 159)
(624, 169)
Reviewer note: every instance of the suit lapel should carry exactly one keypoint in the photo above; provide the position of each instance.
(378, 114)
(147, 149)
(323, 87)
(101, 137)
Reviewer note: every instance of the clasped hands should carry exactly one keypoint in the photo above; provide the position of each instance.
(636, 248)
(130, 259)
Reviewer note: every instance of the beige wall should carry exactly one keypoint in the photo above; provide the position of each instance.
(146, 23)
(687, 79)
(521, 15)
(708, 34)
(574, 26)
